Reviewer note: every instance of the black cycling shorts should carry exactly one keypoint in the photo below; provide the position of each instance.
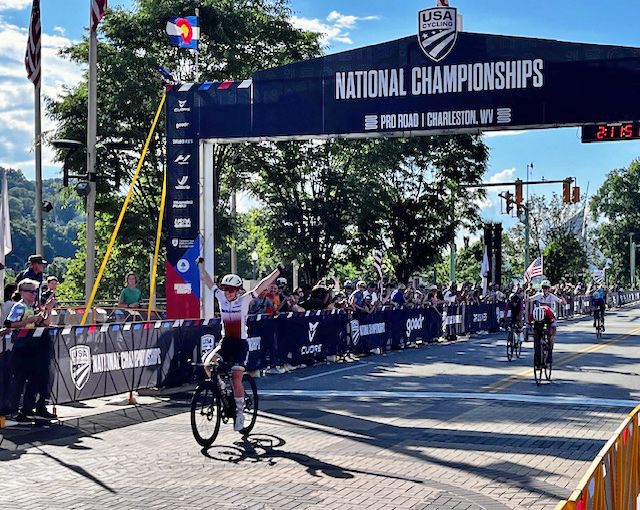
(233, 351)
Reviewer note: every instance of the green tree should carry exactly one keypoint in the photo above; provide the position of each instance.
(565, 259)
(422, 197)
(617, 202)
(237, 39)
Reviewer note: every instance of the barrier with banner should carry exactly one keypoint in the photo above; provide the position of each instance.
(96, 361)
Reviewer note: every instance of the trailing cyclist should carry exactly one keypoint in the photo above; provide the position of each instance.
(514, 311)
(598, 301)
(548, 300)
(233, 349)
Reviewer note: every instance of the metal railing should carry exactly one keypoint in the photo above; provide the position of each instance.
(613, 480)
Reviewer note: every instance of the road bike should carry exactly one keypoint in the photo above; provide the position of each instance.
(213, 402)
(514, 345)
(542, 354)
(599, 323)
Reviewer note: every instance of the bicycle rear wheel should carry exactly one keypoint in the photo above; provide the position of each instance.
(510, 347)
(250, 403)
(205, 413)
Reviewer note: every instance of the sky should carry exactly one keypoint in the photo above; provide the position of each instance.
(555, 154)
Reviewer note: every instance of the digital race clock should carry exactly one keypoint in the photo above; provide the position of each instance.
(611, 132)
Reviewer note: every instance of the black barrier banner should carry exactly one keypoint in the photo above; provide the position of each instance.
(481, 317)
(309, 337)
(262, 342)
(453, 320)
(95, 361)
(368, 331)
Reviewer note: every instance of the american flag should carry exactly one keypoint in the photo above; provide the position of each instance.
(377, 263)
(33, 55)
(534, 270)
(97, 12)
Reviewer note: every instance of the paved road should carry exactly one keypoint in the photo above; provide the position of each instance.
(444, 426)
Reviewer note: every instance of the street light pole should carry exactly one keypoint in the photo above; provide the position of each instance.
(90, 263)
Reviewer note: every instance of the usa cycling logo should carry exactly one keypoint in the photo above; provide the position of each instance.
(438, 31)
(414, 324)
(312, 349)
(80, 364)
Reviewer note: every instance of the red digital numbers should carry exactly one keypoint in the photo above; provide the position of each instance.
(606, 132)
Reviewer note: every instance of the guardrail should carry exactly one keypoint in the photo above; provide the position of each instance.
(613, 480)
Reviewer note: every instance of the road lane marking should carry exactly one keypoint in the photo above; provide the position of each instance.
(322, 374)
(528, 373)
(425, 395)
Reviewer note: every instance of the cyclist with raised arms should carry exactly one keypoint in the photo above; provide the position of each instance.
(233, 349)
(549, 301)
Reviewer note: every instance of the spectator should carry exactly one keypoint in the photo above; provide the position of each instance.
(318, 299)
(262, 304)
(283, 288)
(451, 294)
(30, 354)
(356, 299)
(372, 292)
(368, 305)
(50, 290)
(10, 296)
(34, 271)
(274, 295)
(397, 297)
(130, 295)
(290, 304)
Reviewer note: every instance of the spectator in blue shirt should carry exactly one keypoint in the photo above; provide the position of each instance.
(398, 296)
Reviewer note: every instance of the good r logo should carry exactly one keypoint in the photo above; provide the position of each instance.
(414, 324)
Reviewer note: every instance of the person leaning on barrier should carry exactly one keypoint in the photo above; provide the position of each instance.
(30, 354)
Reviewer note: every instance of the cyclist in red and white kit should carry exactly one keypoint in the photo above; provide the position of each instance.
(233, 349)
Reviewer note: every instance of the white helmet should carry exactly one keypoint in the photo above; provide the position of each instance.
(538, 314)
(281, 281)
(545, 283)
(231, 280)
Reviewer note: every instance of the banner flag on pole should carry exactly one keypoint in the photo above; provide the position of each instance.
(97, 12)
(33, 55)
(5, 226)
(534, 270)
(184, 32)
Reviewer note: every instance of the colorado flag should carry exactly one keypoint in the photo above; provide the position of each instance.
(184, 32)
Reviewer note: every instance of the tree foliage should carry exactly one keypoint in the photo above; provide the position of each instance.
(237, 39)
(617, 203)
(61, 225)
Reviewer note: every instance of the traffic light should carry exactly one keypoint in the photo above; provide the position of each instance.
(566, 192)
(576, 195)
(509, 199)
(519, 195)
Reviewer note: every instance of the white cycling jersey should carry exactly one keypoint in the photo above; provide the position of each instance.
(234, 313)
(551, 300)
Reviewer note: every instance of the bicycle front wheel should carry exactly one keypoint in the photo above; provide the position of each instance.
(537, 359)
(548, 365)
(250, 403)
(510, 345)
(205, 413)
(518, 348)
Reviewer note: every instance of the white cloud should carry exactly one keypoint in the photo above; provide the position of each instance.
(16, 94)
(335, 28)
(499, 134)
(59, 30)
(14, 4)
(493, 200)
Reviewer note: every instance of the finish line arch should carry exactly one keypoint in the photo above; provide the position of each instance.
(394, 89)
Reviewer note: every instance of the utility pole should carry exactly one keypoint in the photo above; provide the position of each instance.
(526, 223)
(452, 260)
(90, 264)
(632, 258)
(234, 253)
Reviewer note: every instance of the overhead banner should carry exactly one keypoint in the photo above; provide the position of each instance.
(484, 82)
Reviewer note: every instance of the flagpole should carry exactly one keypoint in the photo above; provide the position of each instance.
(197, 77)
(38, 141)
(90, 262)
